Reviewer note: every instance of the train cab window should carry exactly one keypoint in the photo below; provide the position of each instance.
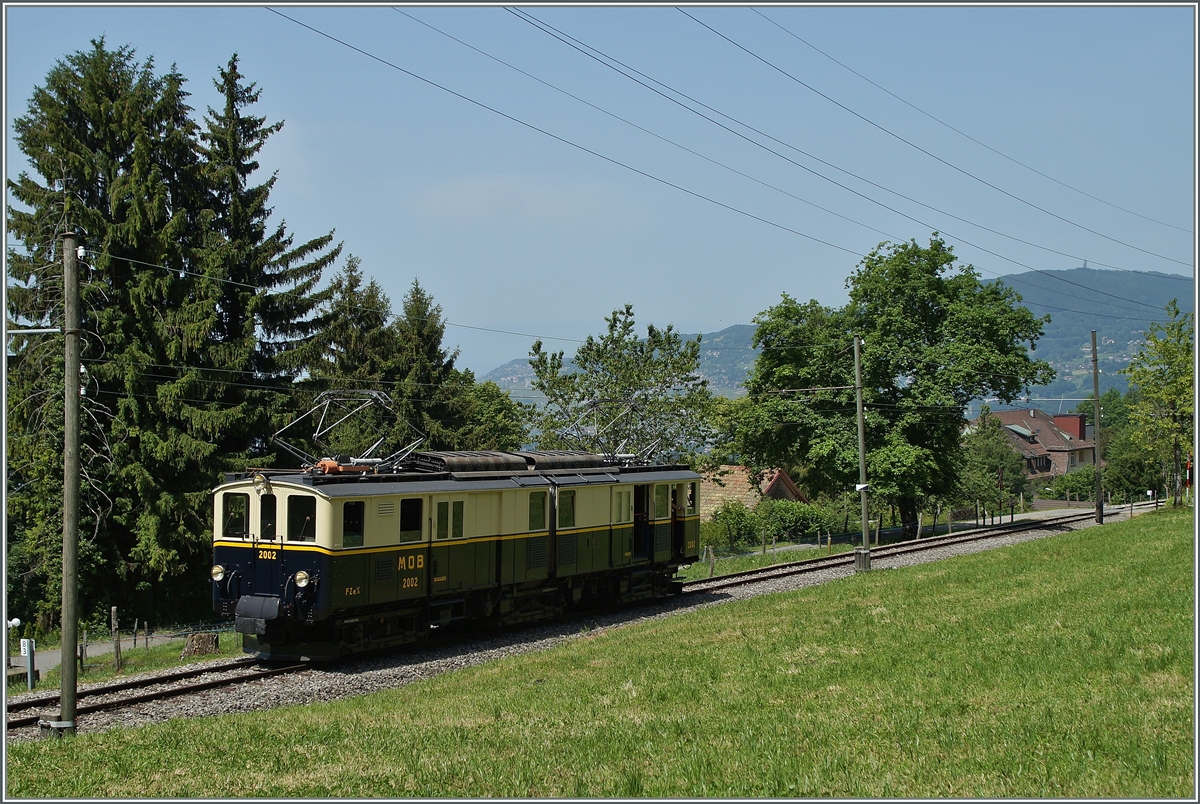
(353, 516)
(235, 516)
(456, 524)
(566, 509)
(301, 518)
(443, 520)
(267, 524)
(410, 520)
(537, 510)
(691, 498)
(662, 501)
(620, 506)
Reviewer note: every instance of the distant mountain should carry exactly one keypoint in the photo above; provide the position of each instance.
(725, 360)
(1119, 305)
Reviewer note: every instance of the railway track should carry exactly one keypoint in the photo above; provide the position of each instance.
(27, 712)
(898, 548)
(129, 693)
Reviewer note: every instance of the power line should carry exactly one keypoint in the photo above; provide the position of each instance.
(646, 130)
(609, 62)
(963, 133)
(565, 141)
(927, 153)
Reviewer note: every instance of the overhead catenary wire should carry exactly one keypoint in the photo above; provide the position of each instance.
(659, 179)
(928, 153)
(451, 323)
(565, 141)
(646, 130)
(956, 130)
(609, 61)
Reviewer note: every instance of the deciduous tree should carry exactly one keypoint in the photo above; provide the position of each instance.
(629, 395)
(935, 337)
(1162, 373)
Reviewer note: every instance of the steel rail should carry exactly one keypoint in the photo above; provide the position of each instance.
(255, 672)
(899, 548)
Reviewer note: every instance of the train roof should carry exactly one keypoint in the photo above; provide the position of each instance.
(457, 471)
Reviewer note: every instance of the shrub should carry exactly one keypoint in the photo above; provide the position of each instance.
(732, 523)
(791, 520)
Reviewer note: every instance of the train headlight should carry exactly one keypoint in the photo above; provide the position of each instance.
(218, 573)
(301, 579)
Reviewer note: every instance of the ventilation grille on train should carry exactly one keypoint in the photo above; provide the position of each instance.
(383, 568)
(662, 538)
(538, 549)
(568, 549)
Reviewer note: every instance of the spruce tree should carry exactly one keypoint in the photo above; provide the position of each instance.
(431, 394)
(192, 311)
(268, 302)
(356, 350)
(113, 145)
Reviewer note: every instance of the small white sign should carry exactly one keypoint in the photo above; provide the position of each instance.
(25, 647)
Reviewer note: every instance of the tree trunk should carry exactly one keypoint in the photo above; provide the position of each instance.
(908, 516)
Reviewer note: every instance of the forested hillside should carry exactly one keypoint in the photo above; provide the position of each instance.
(1116, 304)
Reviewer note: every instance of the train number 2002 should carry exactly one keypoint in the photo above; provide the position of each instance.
(267, 554)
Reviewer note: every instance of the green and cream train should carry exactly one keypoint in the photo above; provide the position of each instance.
(340, 558)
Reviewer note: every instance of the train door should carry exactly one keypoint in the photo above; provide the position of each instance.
(447, 564)
(641, 522)
(677, 522)
(266, 558)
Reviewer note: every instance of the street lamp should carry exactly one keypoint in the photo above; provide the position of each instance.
(15, 622)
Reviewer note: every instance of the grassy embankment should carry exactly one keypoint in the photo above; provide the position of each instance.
(1056, 668)
(160, 656)
(725, 565)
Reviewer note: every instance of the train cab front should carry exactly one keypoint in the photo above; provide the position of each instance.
(268, 580)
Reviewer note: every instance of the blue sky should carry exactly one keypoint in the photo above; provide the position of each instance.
(512, 229)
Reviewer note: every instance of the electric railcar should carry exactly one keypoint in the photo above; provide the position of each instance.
(341, 558)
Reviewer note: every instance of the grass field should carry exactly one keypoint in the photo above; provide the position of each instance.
(1056, 668)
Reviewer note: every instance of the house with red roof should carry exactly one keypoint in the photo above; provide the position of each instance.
(733, 483)
(1051, 445)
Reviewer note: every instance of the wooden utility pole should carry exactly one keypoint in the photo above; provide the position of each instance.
(1096, 433)
(70, 579)
(862, 556)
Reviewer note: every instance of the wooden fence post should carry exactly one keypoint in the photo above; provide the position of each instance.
(116, 634)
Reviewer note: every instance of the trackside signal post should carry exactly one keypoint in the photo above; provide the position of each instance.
(862, 555)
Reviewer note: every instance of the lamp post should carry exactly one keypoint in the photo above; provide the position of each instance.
(862, 555)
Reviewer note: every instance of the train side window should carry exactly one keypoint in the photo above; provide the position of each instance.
(566, 509)
(456, 526)
(443, 520)
(267, 523)
(662, 501)
(301, 518)
(235, 516)
(537, 510)
(410, 520)
(353, 515)
(691, 498)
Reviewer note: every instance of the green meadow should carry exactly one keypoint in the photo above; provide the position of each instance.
(1056, 668)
